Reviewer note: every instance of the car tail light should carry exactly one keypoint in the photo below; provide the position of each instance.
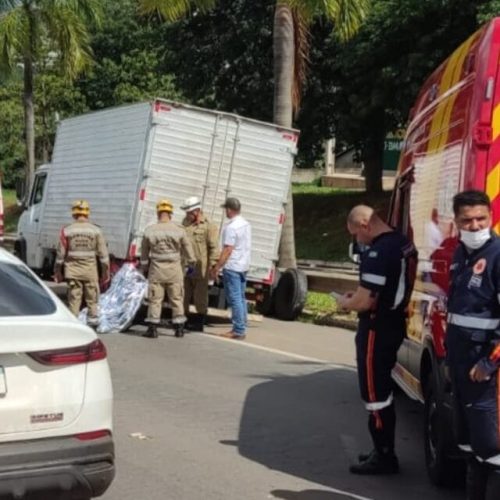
(94, 351)
(89, 436)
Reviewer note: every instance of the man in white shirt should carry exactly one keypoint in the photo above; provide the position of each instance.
(235, 262)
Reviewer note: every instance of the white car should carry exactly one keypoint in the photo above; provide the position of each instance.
(55, 395)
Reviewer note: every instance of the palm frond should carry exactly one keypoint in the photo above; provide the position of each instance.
(173, 10)
(13, 35)
(69, 33)
(90, 11)
(347, 15)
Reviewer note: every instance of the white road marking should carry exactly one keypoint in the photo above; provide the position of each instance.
(245, 343)
(341, 492)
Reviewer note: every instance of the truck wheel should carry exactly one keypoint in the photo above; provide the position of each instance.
(266, 305)
(290, 295)
(20, 249)
(442, 470)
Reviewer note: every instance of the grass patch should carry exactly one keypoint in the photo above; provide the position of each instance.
(11, 210)
(320, 219)
(321, 309)
(320, 303)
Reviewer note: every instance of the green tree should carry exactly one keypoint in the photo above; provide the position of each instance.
(380, 71)
(11, 129)
(128, 55)
(51, 32)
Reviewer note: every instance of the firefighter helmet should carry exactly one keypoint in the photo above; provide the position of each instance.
(191, 203)
(164, 206)
(80, 207)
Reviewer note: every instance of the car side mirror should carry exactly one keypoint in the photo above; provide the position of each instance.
(354, 252)
(21, 192)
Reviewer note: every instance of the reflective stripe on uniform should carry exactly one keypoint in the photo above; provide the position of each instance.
(373, 278)
(81, 253)
(84, 231)
(400, 293)
(179, 320)
(144, 262)
(165, 257)
(379, 405)
(161, 232)
(465, 447)
(473, 322)
(104, 260)
(493, 460)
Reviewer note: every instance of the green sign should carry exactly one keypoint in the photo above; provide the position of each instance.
(392, 149)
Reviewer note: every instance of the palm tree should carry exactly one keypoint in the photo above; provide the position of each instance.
(290, 46)
(292, 20)
(54, 29)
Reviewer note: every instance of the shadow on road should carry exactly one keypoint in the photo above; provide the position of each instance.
(313, 426)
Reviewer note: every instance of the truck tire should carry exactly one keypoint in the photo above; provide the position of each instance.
(266, 306)
(20, 249)
(442, 470)
(290, 295)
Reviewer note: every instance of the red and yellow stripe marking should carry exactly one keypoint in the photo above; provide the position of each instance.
(495, 355)
(493, 176)
(440, 125)
(369, 375)
(498, 406)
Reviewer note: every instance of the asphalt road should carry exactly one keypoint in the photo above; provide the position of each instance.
(205, 418)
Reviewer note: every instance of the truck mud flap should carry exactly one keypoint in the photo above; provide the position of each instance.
(290, 295)
(266, 305)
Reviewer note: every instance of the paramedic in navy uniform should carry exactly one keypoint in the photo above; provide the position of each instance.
(473, 338)
(387, 272)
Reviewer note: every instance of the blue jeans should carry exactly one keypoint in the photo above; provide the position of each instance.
(234, 286)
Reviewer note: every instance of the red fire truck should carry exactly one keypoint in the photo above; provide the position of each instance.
(452, 144)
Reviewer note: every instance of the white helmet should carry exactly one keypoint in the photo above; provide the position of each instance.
(191, 203)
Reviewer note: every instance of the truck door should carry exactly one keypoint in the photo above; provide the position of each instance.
(31, 224)
(400, 218)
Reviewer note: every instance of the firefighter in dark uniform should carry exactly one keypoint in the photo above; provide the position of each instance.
(473, 338)
(387, 273)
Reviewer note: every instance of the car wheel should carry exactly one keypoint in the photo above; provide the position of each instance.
(442, 470)
(290, 295)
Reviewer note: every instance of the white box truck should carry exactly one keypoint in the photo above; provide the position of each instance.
(124, 159)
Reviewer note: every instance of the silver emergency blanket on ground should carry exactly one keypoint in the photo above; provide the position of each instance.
(120, 303)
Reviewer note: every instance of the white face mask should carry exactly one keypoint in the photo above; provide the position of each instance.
(475, 239)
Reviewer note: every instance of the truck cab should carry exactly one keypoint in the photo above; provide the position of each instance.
(28, 246)
(452, 144)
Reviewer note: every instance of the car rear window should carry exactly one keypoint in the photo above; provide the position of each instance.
(21, 294)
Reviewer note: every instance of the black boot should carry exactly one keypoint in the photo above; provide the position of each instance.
(179, 329)
(477, 480)
(195, 323)
(377, 463)
(152, 332)
(363, 457)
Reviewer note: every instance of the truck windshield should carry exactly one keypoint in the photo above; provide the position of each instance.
(21, 294)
